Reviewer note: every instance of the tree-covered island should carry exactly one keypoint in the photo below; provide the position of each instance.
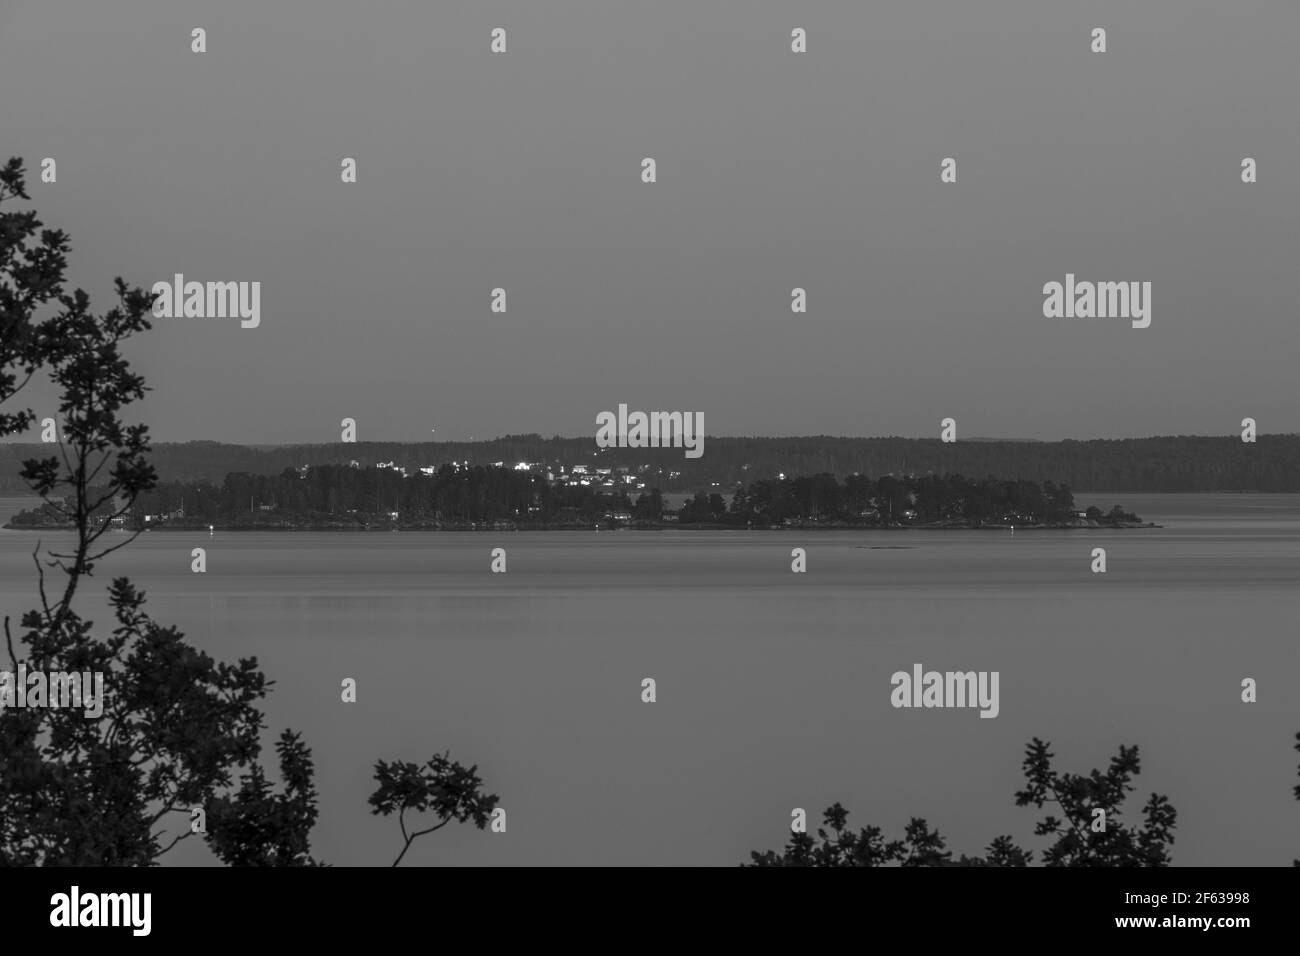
(462, 498)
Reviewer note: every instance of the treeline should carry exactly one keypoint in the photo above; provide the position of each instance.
(332, 496)
(926, 499)
(343, 497)
(1169, 464)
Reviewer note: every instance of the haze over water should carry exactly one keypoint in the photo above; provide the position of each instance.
(773, 688)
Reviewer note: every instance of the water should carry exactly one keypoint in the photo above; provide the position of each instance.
(773, 688)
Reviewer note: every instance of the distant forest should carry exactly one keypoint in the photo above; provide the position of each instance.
(1168, 464)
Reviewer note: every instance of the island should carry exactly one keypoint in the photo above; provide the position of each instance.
(461, 497)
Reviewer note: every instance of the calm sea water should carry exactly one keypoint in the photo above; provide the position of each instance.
(773, 688)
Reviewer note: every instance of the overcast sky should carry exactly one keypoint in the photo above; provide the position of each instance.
(775, 170)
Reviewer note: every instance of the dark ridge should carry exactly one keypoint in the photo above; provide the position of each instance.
(1160, 464)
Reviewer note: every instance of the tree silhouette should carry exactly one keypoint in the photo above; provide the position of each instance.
(841, 847)
(171, 726)
(442, 787)
(1077, 842)
(32, 263)
(258, 827)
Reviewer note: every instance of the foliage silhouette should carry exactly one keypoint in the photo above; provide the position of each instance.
(99, 785)
(1077, 843)
(443, 787)
(258, 827)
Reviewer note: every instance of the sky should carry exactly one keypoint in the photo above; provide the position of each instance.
(775, 170)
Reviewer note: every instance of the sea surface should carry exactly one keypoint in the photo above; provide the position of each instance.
(773, 688)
